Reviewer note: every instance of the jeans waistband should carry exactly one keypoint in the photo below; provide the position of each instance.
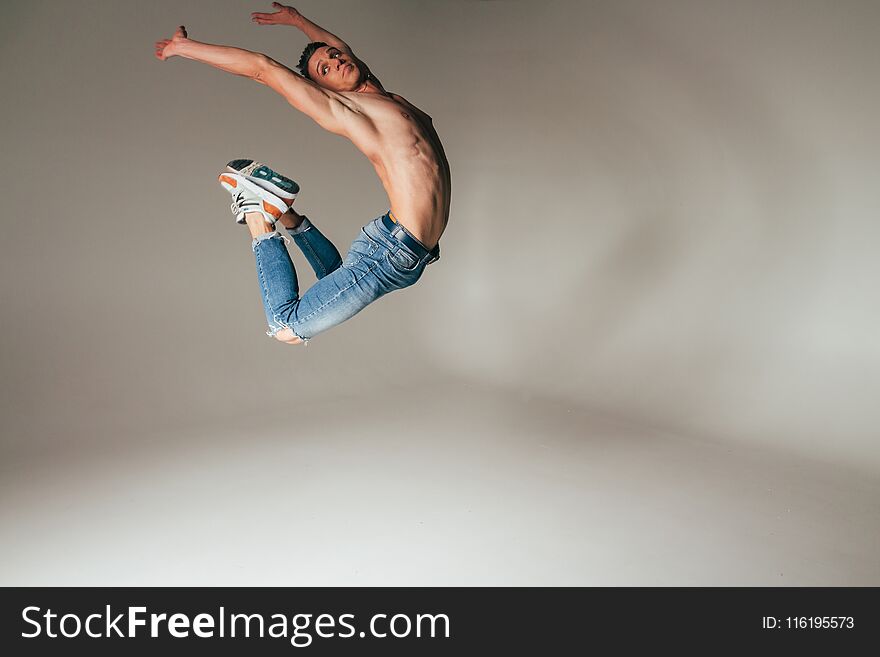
(399, 232)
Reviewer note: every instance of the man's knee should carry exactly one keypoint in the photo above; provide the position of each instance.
(287, 336)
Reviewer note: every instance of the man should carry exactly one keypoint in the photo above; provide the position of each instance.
(338, 91)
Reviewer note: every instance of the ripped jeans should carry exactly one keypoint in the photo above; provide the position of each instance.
(383, 257)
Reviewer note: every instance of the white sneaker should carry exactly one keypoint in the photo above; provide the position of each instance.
(250, 197)
(270, 180)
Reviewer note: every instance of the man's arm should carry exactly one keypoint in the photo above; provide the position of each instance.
(325, 107)
(290, 16)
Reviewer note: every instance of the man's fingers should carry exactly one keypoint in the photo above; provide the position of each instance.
(160, 48)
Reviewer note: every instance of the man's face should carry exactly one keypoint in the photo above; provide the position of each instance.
(334, 69)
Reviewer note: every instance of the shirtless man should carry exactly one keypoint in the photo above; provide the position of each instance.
(339, 92)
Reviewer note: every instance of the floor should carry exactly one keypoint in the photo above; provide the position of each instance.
(455, 485)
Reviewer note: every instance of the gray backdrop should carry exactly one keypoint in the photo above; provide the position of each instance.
(667, 210)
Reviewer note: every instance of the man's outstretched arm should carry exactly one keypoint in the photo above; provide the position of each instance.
(322, 105)
(285, 15)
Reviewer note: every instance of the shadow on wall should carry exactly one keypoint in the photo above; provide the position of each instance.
(657, 238)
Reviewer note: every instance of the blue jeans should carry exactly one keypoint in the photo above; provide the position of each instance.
(384, 257)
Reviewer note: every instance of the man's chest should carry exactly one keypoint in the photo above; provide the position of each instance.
(387, 123)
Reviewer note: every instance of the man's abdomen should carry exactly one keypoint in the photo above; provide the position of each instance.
(421, 204)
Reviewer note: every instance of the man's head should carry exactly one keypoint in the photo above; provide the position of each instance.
(330, 67)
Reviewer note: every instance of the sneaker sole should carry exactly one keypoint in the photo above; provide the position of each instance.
(271, 205)
(269, 179)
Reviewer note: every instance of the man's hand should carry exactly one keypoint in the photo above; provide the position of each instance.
(167, 47)
(284, 16)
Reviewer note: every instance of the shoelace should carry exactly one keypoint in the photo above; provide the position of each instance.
(239, 203)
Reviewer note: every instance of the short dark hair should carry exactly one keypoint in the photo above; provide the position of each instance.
(307, 53)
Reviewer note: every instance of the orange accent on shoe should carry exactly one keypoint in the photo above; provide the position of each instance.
(232, 182)
(271, 209)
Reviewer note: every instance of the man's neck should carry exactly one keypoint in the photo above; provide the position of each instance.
(370, 87)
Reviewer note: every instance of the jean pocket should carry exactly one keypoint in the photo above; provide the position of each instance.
(403, 260)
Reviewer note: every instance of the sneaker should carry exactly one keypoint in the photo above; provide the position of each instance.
(272, 181)
(249, 197)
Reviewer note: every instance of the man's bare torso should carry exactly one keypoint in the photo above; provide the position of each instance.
(400, 141)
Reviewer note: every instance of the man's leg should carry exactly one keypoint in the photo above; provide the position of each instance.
(333, 299)
(336, 296)
(276, 280)
(330, 302)
(320, 252)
